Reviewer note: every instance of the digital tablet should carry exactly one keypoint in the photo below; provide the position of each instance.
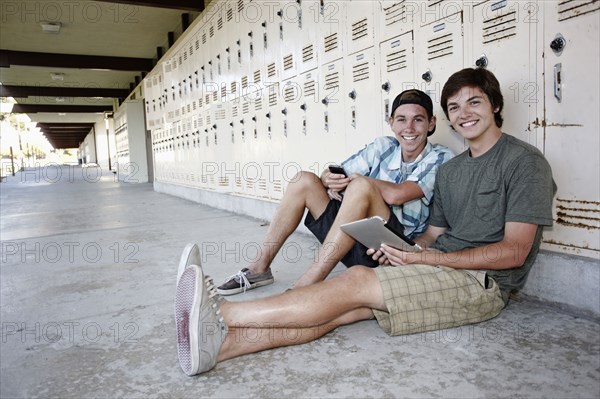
(373, 231)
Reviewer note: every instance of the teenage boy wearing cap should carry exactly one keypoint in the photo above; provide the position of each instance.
(392, 177)
(490, 204)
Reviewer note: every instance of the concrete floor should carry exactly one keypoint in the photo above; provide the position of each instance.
(88, 276)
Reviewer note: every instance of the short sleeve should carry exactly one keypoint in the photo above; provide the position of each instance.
(530, 191)
(437, 217)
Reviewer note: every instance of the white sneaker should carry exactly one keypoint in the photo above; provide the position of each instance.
(201, 329)
(189, 256)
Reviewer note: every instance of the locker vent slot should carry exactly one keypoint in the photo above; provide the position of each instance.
(396, 60)
(439, 47)
(244, 81)
(220, 23)
(500, 27)
(223, 92)
(257, 76)
(568, 9)
(432, 3)
(194, 105)
(171, 115)
(277, 186)
(262, 184)
(215, 95)
(240, 5)
(197, 45)
(177, 112)
(273, 98)
(245, 107)
(208, 119)
(191, 50)
(395, 13)
(167, 67)
(148, 84)
(207, 99)
(258, 104)
(238, 182)
(289, 94)
(360, 71)
(220, 114)
(200, 102)
(288, 62)
(233, 87)
(204, 38)
(211, 31)
(331, 42)
(308, 53)
(309, 88)
(224, 181)
(183, 110)
(271, 70)
(359, 29)
(180, 62)
(332, 80)
(229, 14)
(189, 108)
(234, 111)
(185, 55)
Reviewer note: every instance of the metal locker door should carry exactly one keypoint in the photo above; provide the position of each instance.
(571, 123)
(361, 114)
(332, 30)
(310, 128)
(395, 17)
(439, 56)
(360, 33)
(332, 147)
(307, 36)
(253, 168)
(397, 65)
(501, 36)
(273, 103)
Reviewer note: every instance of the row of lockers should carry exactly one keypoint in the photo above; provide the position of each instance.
(287, 85)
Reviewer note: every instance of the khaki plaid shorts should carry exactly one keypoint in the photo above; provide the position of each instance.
(423, 298)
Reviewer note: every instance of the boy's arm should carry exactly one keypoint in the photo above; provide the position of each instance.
(508, 253)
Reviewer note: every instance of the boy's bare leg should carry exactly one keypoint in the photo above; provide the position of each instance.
(305, 191)
(301, 315)
(361, 199)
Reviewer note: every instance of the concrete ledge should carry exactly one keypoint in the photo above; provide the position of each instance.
(568, 281)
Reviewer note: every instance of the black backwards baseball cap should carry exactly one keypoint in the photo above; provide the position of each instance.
(414, 96)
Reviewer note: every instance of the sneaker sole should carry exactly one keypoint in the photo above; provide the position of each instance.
(187, 311)
(185, 256)
(237, 290)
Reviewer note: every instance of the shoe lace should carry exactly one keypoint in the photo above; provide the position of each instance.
(241, 277)
(215, 297)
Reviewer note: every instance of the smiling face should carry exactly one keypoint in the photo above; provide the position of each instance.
(410, 125)
(471, 114)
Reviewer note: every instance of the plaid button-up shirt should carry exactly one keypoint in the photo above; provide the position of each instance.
(382, 159)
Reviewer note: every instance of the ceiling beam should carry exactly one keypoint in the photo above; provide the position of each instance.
(66, 125)
(189, 5)
(35, 108)
(55, 60)
(57, 91)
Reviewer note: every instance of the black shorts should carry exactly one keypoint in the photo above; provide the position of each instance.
(358, 253)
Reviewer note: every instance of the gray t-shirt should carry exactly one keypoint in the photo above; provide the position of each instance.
(475, 197)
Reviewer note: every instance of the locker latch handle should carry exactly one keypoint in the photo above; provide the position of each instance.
(558, 44)
(482, 61)
(558, 82)
(386, 86)
(427, 76)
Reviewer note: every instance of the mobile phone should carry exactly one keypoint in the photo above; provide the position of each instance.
(337, 170)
